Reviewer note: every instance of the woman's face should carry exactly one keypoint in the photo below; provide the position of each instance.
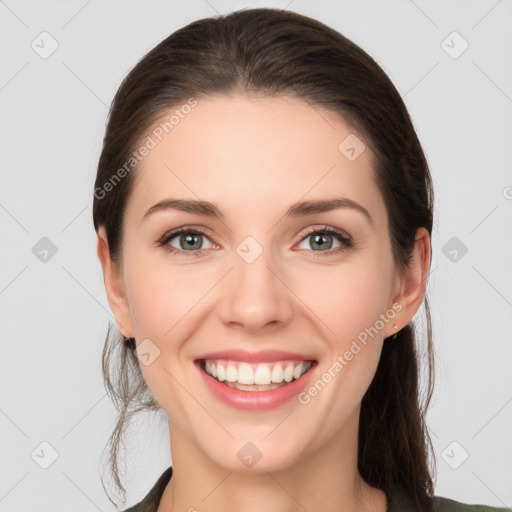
(259, 279)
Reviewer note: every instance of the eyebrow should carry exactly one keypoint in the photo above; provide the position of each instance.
(300, 209)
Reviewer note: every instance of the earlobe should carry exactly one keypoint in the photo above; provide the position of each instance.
(413, 280)
(114, 286)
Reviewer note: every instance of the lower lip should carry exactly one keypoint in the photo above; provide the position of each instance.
(255, 400)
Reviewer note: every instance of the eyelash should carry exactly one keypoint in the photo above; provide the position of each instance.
(345, 240)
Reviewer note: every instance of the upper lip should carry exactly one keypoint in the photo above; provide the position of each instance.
(263, 356)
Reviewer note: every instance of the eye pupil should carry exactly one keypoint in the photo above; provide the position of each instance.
(317, 239)
(188, 241)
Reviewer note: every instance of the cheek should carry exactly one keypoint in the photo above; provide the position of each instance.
(349, 300)
(162, 295)
(164, 302)
(349, 297)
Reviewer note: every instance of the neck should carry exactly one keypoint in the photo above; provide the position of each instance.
(326, 479)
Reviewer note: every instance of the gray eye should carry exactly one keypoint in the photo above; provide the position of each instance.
(189, 241)
(320, 241)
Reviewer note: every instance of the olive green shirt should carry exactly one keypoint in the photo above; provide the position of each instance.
(397, 501)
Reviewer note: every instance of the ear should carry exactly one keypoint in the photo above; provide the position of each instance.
(411, 283)
(114, 286)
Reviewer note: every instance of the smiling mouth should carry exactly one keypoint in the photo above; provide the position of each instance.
(255, 377)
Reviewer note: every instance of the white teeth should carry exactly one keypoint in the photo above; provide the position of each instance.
(288, 373)
(231, 373)
(277, 373)
(254, 387)
(263, 375)
(245, 374)
(221, 373)
(298, 371)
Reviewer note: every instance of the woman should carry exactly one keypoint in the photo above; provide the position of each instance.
(264, 211)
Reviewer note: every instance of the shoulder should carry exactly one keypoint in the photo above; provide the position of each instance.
(442, 504)
(152, 499)
(400, 500)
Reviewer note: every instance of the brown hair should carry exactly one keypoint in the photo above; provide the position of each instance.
(268, 52)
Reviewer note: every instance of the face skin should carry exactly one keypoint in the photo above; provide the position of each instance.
(254, 158)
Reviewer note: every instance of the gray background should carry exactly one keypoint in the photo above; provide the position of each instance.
(54, 311)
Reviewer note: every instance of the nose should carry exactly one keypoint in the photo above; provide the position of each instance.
(256, 296)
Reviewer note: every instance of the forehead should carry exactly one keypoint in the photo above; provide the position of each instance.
(250, 153)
